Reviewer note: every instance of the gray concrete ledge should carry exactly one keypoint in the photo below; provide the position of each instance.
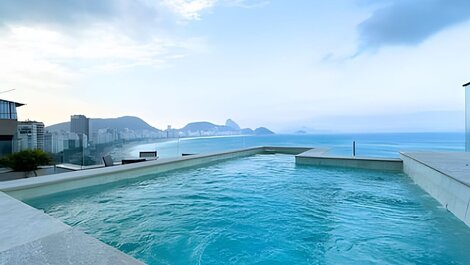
(21, 223)
(66, 248)
(29, 236)
(445, 176)
(317, 159)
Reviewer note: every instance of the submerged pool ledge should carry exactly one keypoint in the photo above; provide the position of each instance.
(317, 158)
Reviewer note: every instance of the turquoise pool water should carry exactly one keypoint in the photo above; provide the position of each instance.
(264, 209)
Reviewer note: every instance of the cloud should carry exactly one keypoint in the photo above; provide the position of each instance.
(80, 12)
(41, 57)
(405, 22)
(192, 9)
(248, 3)
(51, 43)
(61, 11)
(189, 9)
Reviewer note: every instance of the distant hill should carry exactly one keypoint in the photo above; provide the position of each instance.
(63, 126)
(121, 123)
(263, 131)
(230, 128)
(230, 123)
(191, 129)
(204, 126)
(247, 131)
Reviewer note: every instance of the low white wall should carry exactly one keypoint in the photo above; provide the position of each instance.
(352, 162)
(452, 194)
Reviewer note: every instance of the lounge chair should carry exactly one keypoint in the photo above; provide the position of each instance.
(108, 161)
(150, 155)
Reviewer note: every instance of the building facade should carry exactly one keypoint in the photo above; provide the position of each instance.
(467, 116)
(80, 125)
(30, 135)
(8, 125)
(54, 142)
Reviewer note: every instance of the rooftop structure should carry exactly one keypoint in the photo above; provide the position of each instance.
(8, 124)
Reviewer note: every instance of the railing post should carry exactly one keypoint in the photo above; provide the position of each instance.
(354, 148)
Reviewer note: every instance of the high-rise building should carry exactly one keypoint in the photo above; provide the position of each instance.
(30, 135)
(80, 125)
(8, 123)
(467, 116)
(54, 142)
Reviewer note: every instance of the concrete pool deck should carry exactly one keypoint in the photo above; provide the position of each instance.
(29, 236)
(445, 176)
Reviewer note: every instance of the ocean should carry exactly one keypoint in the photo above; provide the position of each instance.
(370, 145)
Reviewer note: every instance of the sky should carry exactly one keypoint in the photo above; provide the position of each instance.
(318, 66)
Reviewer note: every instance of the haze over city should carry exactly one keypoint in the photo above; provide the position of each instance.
(288, 65)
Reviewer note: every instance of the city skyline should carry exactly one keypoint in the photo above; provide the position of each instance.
(282, 65)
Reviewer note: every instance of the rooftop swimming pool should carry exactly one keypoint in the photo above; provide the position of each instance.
(265, 209)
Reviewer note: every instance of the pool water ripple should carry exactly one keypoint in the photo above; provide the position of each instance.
(264, 209)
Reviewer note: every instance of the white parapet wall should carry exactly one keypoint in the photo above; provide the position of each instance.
(445, 176)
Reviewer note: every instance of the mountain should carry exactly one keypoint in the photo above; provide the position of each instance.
(121, 123)
(204, 128)
(230, 123)
(263, 131)
(247, 131)
(63, 126)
